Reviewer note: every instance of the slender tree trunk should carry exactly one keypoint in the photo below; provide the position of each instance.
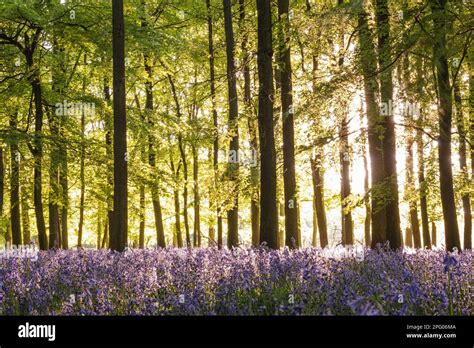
(15, 158)
(433, 233)
(54, 193)
(196, 205)
(252, 126)
(363, 141)
(268, 199)
(110, 170)
(234, 158)
(438, 8)
(393, 233)
(177, 225)
(421, 161)
(182, 152)
(369, 66)
(38, 155)
(141, 189)
(468, 237)
(466, 201)
(410, 187)
(63, 182)
(314, 239)
(408, 237)
(99, 227)
(318, 196)
(25, 218)
(160, 234)
(292, 239)
(215, 145)
(120, 219)
(344, 155)
(81, 172)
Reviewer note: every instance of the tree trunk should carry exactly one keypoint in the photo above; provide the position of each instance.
(410, 187)
(54, 194)
(466, 201)
(344, 156)
(99, 227)
(177, 225)
(215, 145)
(160, 234)
(408, 237)
(196, 204)
(15, 158)
(374, 122)
(120, 219)
(252, 126)
(468, 237)
(363, 141)
(292, 239)
(38, 155)
(25, 218)
(234, 158)
(318, 196)
(110, 178)
(81, 174)
(433, 233)
(393, 233)
(268, 201)
(438, 8)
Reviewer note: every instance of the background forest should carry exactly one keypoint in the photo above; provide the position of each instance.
(231, 123)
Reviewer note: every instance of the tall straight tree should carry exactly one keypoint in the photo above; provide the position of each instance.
(292, 239)
(421, 160)
(466, 201)
(317, 175)
(268, 203)
(215, 143)
(120, 215)
(254, 208)
(393, 232)
(233, 165)
(155, 198)
(451, 229)
(369, 66)
(15, 184)
(468, 237)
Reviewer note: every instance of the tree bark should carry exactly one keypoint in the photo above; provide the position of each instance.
(252, 127)
(15, 158)
(268, 201)
(120, 216)
(393, 232)
(344, 158)
(25, 218)
(363, 141)
(318, 196)
(215, 145)
(233, 160)
(374, 122)
(438, 8)
(410, 187)
(466, 201)
(292, 239)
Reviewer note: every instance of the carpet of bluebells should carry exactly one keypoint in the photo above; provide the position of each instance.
(242, 281)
